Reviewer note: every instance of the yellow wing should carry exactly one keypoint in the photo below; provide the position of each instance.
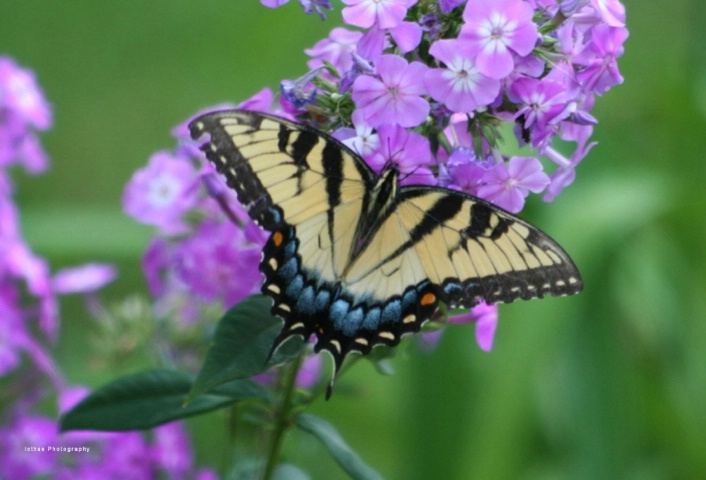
(472, 250)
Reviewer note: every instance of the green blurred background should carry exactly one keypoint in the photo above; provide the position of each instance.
(610, 384)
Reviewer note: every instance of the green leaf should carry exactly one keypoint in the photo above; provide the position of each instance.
(147, 399)
(242, 343)
(337, 447)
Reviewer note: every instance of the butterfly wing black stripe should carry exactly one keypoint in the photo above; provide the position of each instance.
(473, 250)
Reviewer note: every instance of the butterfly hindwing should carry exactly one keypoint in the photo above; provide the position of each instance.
(357, 261)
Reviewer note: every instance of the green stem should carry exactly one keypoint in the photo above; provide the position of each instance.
(282, 420)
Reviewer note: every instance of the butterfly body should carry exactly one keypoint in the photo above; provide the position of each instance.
(358, 260)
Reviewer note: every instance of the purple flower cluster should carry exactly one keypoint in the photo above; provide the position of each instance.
(30, 444)
(31, 447)
(28, 291)
(434, 87)
(207, 248)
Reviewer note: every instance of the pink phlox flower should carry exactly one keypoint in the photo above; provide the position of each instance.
(127, 455)
(336, 49)
(570, 7)
(13, 333)
(297, 94)
(22, 264)
(407, 36)
(372, 44)
(309, 6)
(408, 151)
(599, 59)
(498, 27)
(84, 278)
(447, 5)
(362, 139)
(539, 101)
(565, 174)
(260, 102)
(219, 263)
(318, 6)
(486, 319)
(20, 94)
(385, 13)
(310, 372)
(23, 109)
(612, 12)
(160, 193)
(395, 95)
(172, 450)
(274, 3)
(457, 131)
(466, 171)
(508, 184)
(16, 461)
(459, 85)
(361, 66)
(155, 262)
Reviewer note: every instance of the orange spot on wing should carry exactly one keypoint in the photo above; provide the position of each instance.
(428, 299)
(277, 238)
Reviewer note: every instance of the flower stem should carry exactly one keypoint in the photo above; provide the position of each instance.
(282, 416)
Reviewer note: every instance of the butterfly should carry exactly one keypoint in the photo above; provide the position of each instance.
(358, 260)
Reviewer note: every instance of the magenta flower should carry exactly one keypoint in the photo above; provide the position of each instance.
(365, 13)
(564, 176)
(273, 3)
(497, 28)
(486, 319)
(611, 11)
(599, 59)
(20, 95)
(395, 97)
(160, 193)
(447, 5)
(309, 6)
(298, 94)
(373, 43)
(172, 449)
(508, 184)
(336, 49)
(539, 101)
(460, 85)
(22, 110)
(407, 36)
(219, 263)
(408, 151)
(13, 335)
(361, 139)
(82, 279)
(16, 461)
(466, 171)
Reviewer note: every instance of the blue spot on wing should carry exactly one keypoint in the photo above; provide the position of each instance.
(392, 312)
(305, 303)
(287, 271)
(322, 300)
(338, 312)
(295, 287)
(409, 300)
(351, 324)
(289, 249)
(372, 319)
